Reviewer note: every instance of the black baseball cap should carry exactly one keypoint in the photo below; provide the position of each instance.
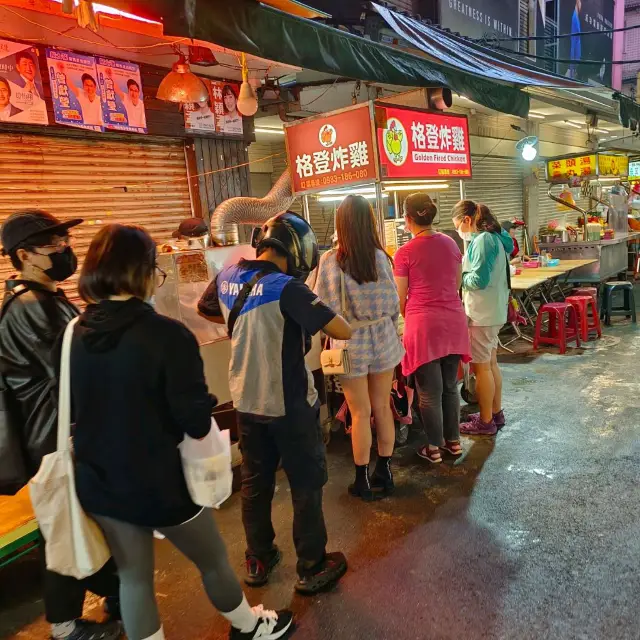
(24, 225)
(191, 228)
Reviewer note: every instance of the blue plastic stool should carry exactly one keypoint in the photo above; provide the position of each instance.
(628, 309)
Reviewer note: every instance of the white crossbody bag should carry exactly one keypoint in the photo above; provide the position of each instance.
(337, 362)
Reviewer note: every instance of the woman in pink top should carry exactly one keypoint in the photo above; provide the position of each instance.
(428, 272)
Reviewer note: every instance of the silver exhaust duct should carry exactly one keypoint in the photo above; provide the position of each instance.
(254, 211)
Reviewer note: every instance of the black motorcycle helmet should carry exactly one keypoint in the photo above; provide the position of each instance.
(292, 235)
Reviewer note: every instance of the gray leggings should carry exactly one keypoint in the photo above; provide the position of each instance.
(132, 549)
(437, 386)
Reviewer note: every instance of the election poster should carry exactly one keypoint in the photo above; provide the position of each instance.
(122, 97)
(74, 90)
(21, 94)
(219, 114)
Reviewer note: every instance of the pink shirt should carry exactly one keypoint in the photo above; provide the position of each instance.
(435, 322)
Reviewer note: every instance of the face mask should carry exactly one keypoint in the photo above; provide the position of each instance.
(63, 265)
(467, 236)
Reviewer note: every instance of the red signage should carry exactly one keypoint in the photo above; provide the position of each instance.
(420, 144)
(332, 151)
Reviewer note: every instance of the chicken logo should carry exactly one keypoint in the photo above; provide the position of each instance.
(395, 142)
(327, 135)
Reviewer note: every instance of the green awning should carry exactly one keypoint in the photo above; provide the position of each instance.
(244, 25)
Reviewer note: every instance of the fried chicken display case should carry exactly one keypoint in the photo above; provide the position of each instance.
(188, 275)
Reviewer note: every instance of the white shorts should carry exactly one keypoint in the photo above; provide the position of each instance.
(484, 340)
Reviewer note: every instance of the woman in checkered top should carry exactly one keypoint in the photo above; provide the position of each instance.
(372, 308)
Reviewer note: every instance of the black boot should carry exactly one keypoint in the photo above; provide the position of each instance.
(382, 477)
(361, 488)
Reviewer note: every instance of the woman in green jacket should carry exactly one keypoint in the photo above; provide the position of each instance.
(485, 294)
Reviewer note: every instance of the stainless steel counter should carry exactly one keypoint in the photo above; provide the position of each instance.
(611, 255)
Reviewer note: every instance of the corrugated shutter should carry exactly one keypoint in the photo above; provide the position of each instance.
(524, 25)
(102, 181)
(496, 182)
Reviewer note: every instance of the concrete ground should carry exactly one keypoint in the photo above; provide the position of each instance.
(535, 534)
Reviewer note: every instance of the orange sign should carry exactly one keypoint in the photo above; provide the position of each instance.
(332, 151)
(562, 169)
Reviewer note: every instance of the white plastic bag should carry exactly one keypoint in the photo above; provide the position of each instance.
(207, 467)
(74, 543)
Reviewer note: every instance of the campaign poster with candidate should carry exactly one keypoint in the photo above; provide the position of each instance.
(122, 97)
(220, 113)
(21, 94)
(74, 89)
(201, 116)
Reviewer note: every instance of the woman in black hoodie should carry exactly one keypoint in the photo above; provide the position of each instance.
(138, 387)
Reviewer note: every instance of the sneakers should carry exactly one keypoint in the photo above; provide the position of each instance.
(259, 569)
(271, 625)
(86, 630)
(499, 419)
(325, 576)
(476, 427)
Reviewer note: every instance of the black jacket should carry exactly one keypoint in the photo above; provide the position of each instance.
(137, 384)
(32, 322)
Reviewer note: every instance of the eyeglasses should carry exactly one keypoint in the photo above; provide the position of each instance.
(57, 247)
(161, 276)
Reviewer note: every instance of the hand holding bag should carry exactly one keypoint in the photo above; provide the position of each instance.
(74, 544)
(207, 467)
(336, 362)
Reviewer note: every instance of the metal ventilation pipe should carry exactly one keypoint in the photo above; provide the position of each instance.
(255, 211)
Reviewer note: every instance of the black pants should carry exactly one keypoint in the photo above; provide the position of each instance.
(296, 440)
(64, 596)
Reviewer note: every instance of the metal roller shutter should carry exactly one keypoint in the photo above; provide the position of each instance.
(102, 181)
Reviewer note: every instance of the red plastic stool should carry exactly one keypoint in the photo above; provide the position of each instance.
(563, 326)
(582, 305)
(587, 291)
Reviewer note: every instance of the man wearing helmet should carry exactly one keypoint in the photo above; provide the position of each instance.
(271, 315)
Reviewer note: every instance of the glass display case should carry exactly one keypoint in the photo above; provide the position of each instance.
(188, 275)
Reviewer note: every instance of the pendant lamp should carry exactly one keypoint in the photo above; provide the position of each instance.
(180, 85)
(247, 100)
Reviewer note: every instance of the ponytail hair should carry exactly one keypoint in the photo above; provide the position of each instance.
(481, 215)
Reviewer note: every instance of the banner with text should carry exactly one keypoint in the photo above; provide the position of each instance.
(482, 18)
(21, 93)
(122, 97)
(332, 151)
(219, 114)
(74, 89)
(422, 144)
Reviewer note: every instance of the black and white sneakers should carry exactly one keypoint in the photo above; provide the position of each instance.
(271, 625)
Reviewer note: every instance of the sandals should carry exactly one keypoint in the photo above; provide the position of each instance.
(430, 455)
(452, 447)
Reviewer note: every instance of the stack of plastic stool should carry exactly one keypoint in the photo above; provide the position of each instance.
(587, 291)
(563, 326)
(629, 307)
(582, 305)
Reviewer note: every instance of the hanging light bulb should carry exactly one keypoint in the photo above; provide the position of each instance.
(247, 100)
(180, 85)
(529, 152)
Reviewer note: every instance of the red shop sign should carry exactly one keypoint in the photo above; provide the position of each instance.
(332, 150)
(421, 144)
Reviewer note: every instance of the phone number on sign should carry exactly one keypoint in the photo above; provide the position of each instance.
(336, 178)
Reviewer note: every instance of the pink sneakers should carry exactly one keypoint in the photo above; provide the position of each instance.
(476, 427)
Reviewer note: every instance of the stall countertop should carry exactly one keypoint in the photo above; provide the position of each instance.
(598, 243)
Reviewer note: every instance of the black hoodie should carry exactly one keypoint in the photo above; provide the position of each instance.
(138, 386)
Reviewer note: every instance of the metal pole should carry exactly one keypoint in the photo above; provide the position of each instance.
(380, 214)
(461, 189)
(396, 204)
(305, 208)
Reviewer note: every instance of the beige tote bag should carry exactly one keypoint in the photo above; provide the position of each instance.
(74, 544)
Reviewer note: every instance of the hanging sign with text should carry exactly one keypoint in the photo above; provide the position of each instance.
(332, 151)
(422, 144)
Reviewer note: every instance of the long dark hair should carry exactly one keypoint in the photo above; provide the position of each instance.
(358, 239)
(481, 215)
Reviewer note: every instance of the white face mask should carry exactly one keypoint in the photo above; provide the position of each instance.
(467, 236)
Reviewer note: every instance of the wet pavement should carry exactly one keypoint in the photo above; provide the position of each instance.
(533, 534)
